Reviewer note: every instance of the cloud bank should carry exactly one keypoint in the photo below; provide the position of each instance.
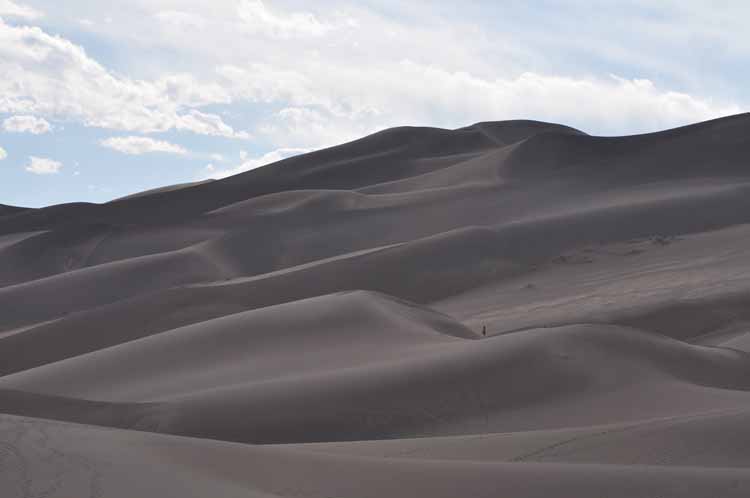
(142, 145)
(12, 9)
(49, 75)
(26, 124)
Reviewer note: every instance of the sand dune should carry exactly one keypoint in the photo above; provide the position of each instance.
(9, 210)
(76, 460)
(314, 327)
(423, 382)
(336, 331)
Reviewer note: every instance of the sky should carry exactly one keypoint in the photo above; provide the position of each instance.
(102, 99)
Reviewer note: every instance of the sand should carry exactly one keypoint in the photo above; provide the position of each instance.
(314, 327)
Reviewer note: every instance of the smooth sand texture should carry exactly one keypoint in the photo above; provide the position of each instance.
(313, 328)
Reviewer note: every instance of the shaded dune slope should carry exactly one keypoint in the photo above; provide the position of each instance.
(6, 210)
(335, 331)
(422, 383)
(70, 458)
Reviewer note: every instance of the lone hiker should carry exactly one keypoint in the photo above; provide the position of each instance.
(484, 330)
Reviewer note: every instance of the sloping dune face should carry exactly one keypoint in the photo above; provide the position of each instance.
(512, 309)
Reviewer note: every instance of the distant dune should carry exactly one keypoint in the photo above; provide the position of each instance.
(512, 309)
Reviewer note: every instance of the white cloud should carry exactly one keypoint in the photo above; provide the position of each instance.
(42, 166)
(26, 124)
(181, 20)
(258, 18)
(608, 104)
(142, 145)
(185, 90)
(248, 163)
(208, 124)
(3, 154)
(12, 9)
(49, 75)
(316, 128)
